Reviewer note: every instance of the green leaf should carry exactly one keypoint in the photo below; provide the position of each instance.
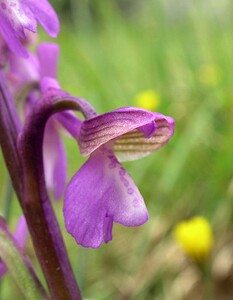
(19, 266)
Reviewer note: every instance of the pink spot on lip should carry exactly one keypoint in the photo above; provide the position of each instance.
(3, 5)
(135, 202)
(111, 166)
(130, 191)
(125, 182)
(122, 172)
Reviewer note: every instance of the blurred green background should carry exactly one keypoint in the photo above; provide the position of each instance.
(182, 50)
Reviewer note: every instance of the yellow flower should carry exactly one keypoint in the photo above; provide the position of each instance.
(148, 99)
(209, 74)
(194, 237)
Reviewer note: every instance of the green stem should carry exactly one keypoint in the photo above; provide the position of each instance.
(19, 266)
(209, 292)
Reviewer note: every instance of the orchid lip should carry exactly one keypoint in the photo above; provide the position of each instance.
(101, 193)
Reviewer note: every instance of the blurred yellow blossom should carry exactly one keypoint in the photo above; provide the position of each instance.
(209, 74)
(148, 99)
(194, 237)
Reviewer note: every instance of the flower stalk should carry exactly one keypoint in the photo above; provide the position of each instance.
(32, 194)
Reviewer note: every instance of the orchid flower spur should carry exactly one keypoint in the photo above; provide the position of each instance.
(19, 16)
(102, 192)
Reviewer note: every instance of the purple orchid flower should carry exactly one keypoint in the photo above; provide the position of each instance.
(102, 192)
(42, 68)
(19, 16)
(20, 236)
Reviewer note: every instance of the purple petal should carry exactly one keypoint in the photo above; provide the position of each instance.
(54, 160)
(104, 128)
(3, 269)
(70, 122)
(48, 57)
(60, 171)
(16, 16)
(108, 224)
(26, 69)
(99, 193)
(3, 51)
(21, 232)
(45, 15)
(19, 15)
(11, 37)
(48, 83)
(136, 144)
(149, 129)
